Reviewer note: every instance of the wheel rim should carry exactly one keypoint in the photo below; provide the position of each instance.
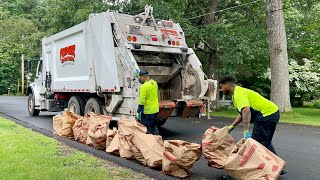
(30, 104)
(73, 108)
(92, 109)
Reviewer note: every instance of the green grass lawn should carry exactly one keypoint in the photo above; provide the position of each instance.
(25, 154)
(302, 115)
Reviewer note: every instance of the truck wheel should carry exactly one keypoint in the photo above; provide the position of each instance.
(31, 109)
(161, 122)
(94, 105)
(76, 105)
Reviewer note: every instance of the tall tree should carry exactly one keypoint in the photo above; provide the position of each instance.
(280, 93)
(212, 55)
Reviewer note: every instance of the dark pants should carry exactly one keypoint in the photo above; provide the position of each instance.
(263, 130)
(150, 121)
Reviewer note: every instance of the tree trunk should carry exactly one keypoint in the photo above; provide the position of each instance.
(212, 56)
(280, 93)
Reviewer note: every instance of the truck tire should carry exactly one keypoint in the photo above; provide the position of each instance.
(76, 105)
(94, 105)
(31, 109)
(161, 122)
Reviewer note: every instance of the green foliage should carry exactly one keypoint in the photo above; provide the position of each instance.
(60, 15)
(303, 32)
(316, 104)
(18, 36)
(304, 81)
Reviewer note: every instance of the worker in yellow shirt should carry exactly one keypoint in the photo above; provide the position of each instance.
(251, 106)
(148, 105)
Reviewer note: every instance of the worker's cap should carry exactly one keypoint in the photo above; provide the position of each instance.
(143, 73)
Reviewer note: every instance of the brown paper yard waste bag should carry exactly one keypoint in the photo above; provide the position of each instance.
(179, 157)
(120, 144)
(68, 121)
(62, 124)
(77, 128)
(57, 125)
(147, 149)
(217, 145)
(250, 160)
(110, 135)
(114, 146)
(81, 128)
(124, 147)
(98, 126)
(136, 152)
(245, 160)
(128, 127)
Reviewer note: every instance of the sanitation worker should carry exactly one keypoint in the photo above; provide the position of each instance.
(251, 106)
(148, 105)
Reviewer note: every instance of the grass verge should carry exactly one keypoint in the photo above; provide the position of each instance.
(26, 154)
(301, 115)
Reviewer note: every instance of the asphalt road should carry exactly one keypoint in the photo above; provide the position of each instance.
(298, 145)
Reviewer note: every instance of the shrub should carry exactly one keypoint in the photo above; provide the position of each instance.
(316, 104)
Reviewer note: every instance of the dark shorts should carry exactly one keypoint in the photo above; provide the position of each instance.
(256, 116)
(263, 130)
(275, 117)
(150, 121)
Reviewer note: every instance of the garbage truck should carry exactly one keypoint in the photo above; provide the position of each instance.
(93, 67)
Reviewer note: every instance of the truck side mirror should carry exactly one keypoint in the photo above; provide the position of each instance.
(39, 67)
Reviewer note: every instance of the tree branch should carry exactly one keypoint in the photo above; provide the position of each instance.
(206, 43)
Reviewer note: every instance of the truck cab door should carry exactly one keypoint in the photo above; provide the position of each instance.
(39, 81)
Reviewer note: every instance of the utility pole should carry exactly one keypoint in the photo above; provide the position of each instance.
(22, 75)
(18, 87)
(28, 72)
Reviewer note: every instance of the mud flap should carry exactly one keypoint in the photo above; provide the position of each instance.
(191, 108)
(165, 109)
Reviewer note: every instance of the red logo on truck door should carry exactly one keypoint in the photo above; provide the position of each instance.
(67, 54)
